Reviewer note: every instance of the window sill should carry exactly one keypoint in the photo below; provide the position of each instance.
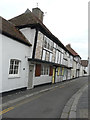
(48, 50)
(44, 75)
(13, 77)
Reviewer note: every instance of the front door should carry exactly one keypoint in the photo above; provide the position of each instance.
(30, 80)
(53, 77)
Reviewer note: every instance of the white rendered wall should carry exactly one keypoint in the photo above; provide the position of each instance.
(14, 50)
(87, 71)
(69, 74)
(74, 69)
(81, 71)
(42, 79)
(30, 35)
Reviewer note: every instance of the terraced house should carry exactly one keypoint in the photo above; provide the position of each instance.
(76, 62)
(32, 55)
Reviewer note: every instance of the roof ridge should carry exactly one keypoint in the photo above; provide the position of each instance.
(31, 19)
(72, 51)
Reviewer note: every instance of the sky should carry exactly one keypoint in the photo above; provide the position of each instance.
(66, 19)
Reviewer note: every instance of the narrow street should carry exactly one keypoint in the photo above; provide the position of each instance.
(48, 104)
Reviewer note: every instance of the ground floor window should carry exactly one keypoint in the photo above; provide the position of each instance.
(38, 70)
(44, 70)
(14, 67)
(60, 71)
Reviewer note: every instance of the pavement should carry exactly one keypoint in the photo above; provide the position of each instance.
(82, 106)
(76, 107)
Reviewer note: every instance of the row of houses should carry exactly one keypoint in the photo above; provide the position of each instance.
(32, 55)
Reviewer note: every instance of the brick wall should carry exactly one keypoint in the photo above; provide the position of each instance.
(54, 54)
(38, 53)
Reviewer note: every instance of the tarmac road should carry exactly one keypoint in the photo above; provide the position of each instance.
(48, 104)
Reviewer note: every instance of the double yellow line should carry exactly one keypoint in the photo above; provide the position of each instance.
(26, 101)
(6, 110)
(21, 103)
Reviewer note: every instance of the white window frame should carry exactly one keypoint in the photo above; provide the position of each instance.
(49, 43)
(43, 54)
(50, 58)
(44, 70)
(14, 75)
(47, 52)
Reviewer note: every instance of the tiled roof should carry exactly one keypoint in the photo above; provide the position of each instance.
(29, 19)
(11, 31)
(84, 63)
(73, 52)
(26, 18)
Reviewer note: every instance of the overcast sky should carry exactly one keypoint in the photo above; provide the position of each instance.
(66, 19)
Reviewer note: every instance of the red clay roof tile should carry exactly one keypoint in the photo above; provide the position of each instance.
(10, 30)
(71, 50)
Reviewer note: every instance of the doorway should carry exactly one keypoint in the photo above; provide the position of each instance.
(30, 80)
(53, 77)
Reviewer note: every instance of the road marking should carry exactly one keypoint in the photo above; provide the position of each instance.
(6, 110)
(62, 86)
(21, 103)
(26, 101)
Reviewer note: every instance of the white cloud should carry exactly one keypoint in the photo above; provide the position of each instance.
(66, 19)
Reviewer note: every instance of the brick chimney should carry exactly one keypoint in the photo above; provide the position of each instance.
(68, 45)
(37, 12)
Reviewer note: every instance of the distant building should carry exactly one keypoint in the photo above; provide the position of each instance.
(76, 62)
(84, 68)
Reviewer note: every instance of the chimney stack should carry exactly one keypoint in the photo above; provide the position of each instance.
(38, 13)
(69, 45)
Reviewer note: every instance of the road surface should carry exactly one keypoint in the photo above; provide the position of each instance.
(48, 104)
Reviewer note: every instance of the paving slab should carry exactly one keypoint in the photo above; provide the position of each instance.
(82, 106)
(77, 104)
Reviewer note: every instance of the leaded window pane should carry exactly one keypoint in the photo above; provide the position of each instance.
(14, 66)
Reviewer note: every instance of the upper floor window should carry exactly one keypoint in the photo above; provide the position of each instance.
(14, 67)
(48, 43)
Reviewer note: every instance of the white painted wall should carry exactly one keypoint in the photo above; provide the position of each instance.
(30, 35)
(81, 71)
(69, 74)
(42, 80)
(82, 68)
(86, 68)
(12, 49)
(65, 74)
(74, 69)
